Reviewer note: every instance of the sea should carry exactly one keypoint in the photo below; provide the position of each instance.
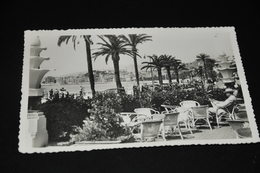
(99, 86)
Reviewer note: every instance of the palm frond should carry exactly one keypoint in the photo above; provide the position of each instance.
(63, 38)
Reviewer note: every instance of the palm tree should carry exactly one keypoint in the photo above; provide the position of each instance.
(177, 67)
(113, 46)
(210, 63)
(168, 61)
(133, 41)
(88, 42)
(201, 58)
(156, 63)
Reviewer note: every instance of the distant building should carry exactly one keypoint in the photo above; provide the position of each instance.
(50, 79)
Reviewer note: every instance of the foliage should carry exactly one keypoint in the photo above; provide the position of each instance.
(88, 42)
(133, 41)
(129, 102)
(91, 131)
(174, 94)
(157, 63)
(63, 112)
(105, 111)
(104, 122)
(113, 46)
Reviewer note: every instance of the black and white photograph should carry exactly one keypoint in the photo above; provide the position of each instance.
(91, 89)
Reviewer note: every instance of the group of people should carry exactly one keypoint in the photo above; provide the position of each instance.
(52, 92)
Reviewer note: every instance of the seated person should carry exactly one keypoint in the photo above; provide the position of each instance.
(221, 105)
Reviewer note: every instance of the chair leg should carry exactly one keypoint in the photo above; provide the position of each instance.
(217, 121)
(188, 124)
(209, 123)
(179, 129)
(163, 134)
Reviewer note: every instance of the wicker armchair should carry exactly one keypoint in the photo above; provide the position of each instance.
(200, 113)
(149, 130)
(171, 120)
(146, 111)
(189, 103)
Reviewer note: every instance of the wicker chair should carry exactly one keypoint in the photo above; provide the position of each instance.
(189, 103)
(228, 115)
(200, 113)
(150, 130)
(127, 117)
(146, 111)
(171, 120)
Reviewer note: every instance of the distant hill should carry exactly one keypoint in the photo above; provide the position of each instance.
(73, 74)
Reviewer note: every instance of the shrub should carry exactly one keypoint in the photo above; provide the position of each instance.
(105, 111)
(62, 113)
(91, 131)
(175, 94)
(129, 102)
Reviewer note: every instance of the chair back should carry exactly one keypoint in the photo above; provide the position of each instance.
(200, 111)
(171, 119)
(150, 128)
(144, 111)
(126, 119)
(141, 117)
(158, 116)
(189, 103)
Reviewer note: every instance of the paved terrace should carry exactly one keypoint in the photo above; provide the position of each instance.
(224, 132)
(201, 133)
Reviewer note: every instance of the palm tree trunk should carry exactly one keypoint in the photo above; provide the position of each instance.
(136, 70)
(205, 68)
(177, 77)
(90, 68)
(169, 74)
(117, 74)
(160, 75)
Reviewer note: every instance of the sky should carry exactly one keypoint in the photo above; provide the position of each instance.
(184, 44)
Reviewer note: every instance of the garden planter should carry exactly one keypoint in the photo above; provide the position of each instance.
(244, 133)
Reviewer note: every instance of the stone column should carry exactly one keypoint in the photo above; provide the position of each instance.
(37, 135)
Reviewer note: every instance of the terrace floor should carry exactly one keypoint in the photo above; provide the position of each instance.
(203, 133)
